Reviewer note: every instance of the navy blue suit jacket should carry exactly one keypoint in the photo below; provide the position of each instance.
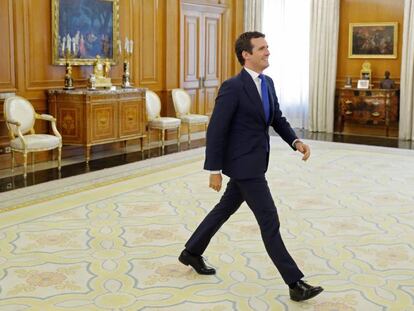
(238, 134)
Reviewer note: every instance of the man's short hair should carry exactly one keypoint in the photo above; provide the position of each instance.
(243, 44)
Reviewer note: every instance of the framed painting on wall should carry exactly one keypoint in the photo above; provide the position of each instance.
(373, 40)
(84, 29)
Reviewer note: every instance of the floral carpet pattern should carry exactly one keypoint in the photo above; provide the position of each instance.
(347, 217)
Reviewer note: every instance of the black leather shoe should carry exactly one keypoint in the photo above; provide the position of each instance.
(197, 262)
(302, 291)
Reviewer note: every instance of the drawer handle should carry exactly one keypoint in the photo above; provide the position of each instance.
(348, 112)
(130, 118)
(375, 114)
(103, 121)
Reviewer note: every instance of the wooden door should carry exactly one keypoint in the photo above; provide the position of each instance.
(211, 78)
(201, 54)
(190, 50)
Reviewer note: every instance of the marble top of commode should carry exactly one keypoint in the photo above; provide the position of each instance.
(98, 91)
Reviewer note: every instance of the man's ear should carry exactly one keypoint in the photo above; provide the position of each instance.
(245, 54)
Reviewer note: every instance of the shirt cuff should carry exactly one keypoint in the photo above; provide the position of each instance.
(295, 141)
(215, 172)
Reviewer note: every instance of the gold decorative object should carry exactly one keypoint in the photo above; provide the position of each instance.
(92, 82)
(348, 83)
(365, 73)
(127, 56)
(101, 72)
(68, 77)
(125, 77)
(68, 71)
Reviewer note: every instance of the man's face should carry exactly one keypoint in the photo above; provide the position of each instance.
(259, 59)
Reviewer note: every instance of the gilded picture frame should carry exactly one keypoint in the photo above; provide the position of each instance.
(373, 40)
(84, 29)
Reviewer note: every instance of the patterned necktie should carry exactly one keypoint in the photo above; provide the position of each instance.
(265, 96)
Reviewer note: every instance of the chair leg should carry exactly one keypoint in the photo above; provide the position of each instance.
(59, 157)
(178, 137)
(149, 141)
(87, 153)
(189, 135)
(12, 161)
(159, 136)
(141, 140)
(162, 140)
(25, 164)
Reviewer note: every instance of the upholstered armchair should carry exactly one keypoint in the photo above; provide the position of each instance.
(182, 106)
(20, 118)
(155, 121)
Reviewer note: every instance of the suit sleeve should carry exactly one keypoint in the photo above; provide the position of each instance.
(279, 123)
(219, 125)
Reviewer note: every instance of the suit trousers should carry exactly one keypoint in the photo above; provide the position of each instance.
(256, 193)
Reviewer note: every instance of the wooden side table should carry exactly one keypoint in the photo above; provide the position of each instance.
(365, 106)
(88, 118)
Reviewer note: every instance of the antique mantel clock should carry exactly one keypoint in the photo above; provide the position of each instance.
(101, 71)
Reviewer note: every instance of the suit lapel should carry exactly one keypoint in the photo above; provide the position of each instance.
(252, 92)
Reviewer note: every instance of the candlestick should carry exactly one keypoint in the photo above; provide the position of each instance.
(128, 48)
(68, 77)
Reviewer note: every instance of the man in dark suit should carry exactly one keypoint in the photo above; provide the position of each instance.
(238, 146)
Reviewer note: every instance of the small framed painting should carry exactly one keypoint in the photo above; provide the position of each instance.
(373, 40)
(363, 84)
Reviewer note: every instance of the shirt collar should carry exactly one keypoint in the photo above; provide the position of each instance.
(252, 73)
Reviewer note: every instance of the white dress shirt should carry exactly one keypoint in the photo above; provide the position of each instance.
(256, 80)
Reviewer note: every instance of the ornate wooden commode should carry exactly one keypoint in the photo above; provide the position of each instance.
(367, 106)
(87, 118)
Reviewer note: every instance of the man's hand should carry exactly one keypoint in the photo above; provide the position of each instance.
(215, 181)
(304, 149)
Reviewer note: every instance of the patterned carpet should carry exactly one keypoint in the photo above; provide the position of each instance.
(109, 240)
